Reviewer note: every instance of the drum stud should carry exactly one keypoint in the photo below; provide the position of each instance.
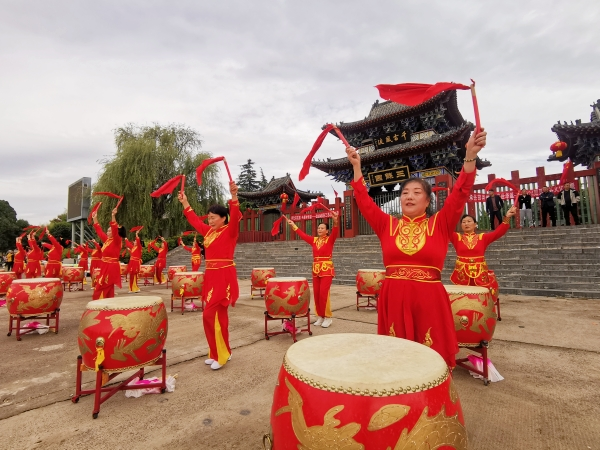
(100, 342)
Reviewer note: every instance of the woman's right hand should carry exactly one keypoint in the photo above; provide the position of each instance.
(353, 156)
(289, 221)
(183, 199)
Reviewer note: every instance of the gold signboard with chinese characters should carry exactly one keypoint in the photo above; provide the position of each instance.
(394, 138)
(388, 176)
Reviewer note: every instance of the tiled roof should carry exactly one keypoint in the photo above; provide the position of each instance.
(277, 186)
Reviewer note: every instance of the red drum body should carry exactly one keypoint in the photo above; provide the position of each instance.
(72, 274)
(285, 296)
(5, 279)
(129, 331)
(187, 284)
(173, 270)
(260, 276)
(146, 272)
(493, 285)
(34, 296)
(474, 314)
(123, 268)
(369, 282)
(357, 391)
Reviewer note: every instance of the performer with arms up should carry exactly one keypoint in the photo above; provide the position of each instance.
(96, 261)
(220, 287)
(19, 260)
(161, 259)
(413, 303)
(54, 257)
(196, 252)
(33, 269)
(110, 269)
(322, 268)
(135, 262)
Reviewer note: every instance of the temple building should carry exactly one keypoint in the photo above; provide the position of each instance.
(582, 139)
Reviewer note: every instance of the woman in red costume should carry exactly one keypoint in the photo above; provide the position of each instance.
(161, 259)
(196, 252)
(413, 304)
(19, 260)
(33, 269)
(322, 268)
(84, 252)
(110, 269)
(54, 258)
(220, 287)
(96, 260)
(135, 262)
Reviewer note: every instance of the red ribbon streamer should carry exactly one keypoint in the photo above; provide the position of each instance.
(503, 182)
(276, 224)
(134, 229)
(315, 147)
(296, 200)
(94, 209)
(208, 162)
(168, 187)
(109, 194)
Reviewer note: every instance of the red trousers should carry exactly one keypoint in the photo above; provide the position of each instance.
(53, 269)
(195, 267)
(33, 269)
(18, 269)
(103, 291)
(321, 287)
(159, 265)
(216, 329)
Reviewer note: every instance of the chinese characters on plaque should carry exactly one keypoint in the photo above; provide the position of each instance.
(388, 176)
(389, 139)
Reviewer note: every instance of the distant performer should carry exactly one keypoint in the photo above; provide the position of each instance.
(322, 268)
(196, 250)
(110, 269)
(161, 259)
(135, 262)
(33, 269)
(95, 260)
(54, 265)
(19, 259)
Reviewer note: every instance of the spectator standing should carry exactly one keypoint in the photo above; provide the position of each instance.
(9, 261)
(568, 199)
(547, 206)
(525, 207)
(493, 206)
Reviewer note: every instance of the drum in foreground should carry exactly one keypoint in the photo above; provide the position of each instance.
(5, 279)
(363, 391)
(474, 314)
(285, 296)
(34, 296)
(173, 270)
(260, 276)
(369, 281)
(187, 284)
(129, 331)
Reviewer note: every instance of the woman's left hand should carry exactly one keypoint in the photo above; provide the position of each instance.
(512, 211)
(475, 144)
(335, 215)
(233, 188)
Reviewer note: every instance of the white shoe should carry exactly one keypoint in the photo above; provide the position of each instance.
(327, 322)
(318, 322)
(209, 361)
(215, 365)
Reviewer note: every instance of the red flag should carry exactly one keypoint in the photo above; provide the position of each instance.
(315, 147)
(566, 175)
(168, 187)
(334, 192)
(138, 228)
(204, 165)
(94, 209)
(412, 94)
(276, 224)
(296, 200)
(109, 194)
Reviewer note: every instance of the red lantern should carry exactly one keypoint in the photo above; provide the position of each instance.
(558, 148)
(284, 198)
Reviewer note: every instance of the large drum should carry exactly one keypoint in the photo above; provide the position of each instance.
(34, 296)
(5, 279)
(369, 281)
(474, 314)
(123, 268)
(363, 391)
(187, 284)
(129, 331)
(285, 296)
(173, 270)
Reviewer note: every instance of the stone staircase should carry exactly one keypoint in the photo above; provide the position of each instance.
(553, 262)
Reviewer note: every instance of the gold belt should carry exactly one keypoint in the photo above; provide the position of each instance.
(108, 259)
(423, 274)
(213, 264)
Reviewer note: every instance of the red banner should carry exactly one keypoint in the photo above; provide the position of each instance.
(322, 215)
(509, 195)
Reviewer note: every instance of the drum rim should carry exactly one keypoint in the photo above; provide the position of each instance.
(94, 305)
(187, 273)
(287, 279)
(372, 270)
(438, 377)
(263, 268)
(460, 289)
(36, 280)
(182, 265)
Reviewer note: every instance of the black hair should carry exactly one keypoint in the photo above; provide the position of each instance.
(122, 231)
(425, 186)
(220, 211)
(468, 215)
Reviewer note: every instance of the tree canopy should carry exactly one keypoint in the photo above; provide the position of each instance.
(146, 158)
(247, 181)
(10, 226)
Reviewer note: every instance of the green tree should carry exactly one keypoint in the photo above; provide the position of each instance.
(247, 181)
(263, 180)
(60, 230)
(10, 226)
(146, 158)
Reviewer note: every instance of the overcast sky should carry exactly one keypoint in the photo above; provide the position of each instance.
(257, 79)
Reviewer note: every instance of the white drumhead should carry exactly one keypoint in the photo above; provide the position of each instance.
(147, 265)
(187, 273)
(371, 270)
(37, 280)
(121, 303)
(7, 273)
(176, 267)
(460, 289)
(263, 268)
(365, 362)
(284, 279)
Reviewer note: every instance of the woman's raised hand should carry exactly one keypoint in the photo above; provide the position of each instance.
(512, 211)
(289, 221)
(475, 144)
(353, 156)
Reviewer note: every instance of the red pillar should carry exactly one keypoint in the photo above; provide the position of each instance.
(350, 219)
(516, 180)
(540, 174)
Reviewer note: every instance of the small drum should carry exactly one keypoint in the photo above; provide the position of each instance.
(72, 274)
(474, 314)
(34, 296)
(146, 272)
(285, 296)
(131, 331)
(5, 279)
(187, 284)
(369, 281)
(364, 391)
(260, 276)
(173, 270)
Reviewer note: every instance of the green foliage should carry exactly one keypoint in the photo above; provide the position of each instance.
(263, 180)
(10, 227)
(146, 158)
(247, 181)
(60, 230)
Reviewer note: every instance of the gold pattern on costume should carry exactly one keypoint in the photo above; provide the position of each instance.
(209, 295)
(319, 437)
(280, 304)
(428, 341)
(142, 327)
(322, 266)
(386, 416)
(321, 241)
(470, 240)
(411, 235)
(88, 320)
(430, 433)
(472, 268)
(481, 313)
(413, 273)
(212, 235)
(228, 292)
(38, 298)
(392, 331)
(453, 392)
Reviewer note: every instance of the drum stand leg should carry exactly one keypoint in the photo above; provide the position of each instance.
(18, 318)
(465, 363)
(102, 378)
(260, 291)
(369, 303)
(292, 319)
(498, 307)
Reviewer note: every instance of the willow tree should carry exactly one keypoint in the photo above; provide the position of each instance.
(146, 158)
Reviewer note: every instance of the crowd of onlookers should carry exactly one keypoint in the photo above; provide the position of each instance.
(568, 199)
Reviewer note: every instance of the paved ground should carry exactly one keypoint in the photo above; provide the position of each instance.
(546, 348)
